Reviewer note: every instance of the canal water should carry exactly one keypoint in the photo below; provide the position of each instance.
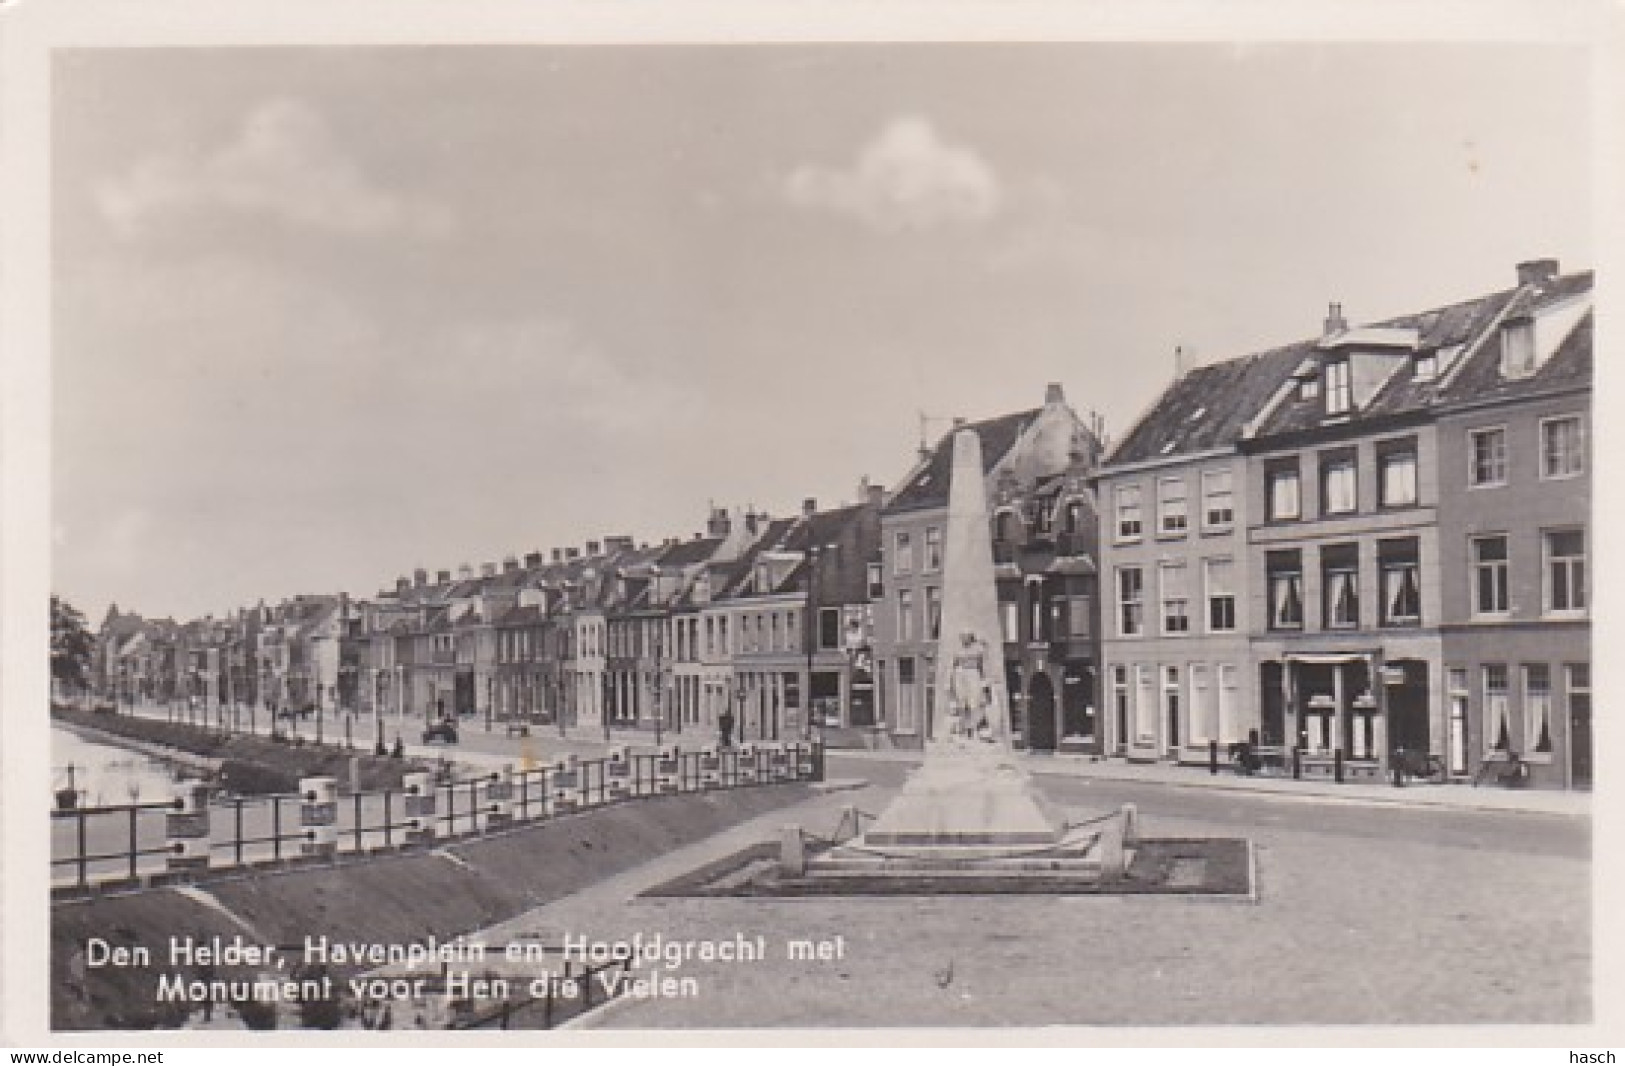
(104, 774)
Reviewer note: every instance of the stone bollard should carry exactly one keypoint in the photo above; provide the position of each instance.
(668, 770)
(1131, 823)
(319, 816)
(792, 851)
(710, 768)
(1113, 860)
(564, 786)
(497, 812)
(186, 828)
(747, 768)
(419, 806)
(618, 773)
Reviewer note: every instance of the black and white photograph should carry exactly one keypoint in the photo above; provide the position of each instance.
(791, 527)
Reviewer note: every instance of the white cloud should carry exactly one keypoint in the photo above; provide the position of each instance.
(907, 177)
(285, 162)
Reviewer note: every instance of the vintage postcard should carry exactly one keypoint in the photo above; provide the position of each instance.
(1064, 524)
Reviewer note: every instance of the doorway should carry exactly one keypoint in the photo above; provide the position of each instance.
(1041, 714)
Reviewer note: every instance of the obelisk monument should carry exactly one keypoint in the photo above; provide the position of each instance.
(969, 792)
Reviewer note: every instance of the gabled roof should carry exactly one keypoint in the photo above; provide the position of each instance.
(1459, 324)
(928, 485)
(1480, 378)
(1208, 407)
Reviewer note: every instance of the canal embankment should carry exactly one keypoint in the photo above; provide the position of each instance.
(443, 891)
(242, 763)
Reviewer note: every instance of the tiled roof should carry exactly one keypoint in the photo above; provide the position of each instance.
(1570, 364)
(689, 552)
(1444, 327)
(929, 485)
(1209, 406)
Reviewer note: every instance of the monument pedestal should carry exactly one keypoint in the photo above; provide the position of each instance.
(967, 797)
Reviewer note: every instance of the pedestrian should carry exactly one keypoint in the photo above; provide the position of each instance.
(725, 725)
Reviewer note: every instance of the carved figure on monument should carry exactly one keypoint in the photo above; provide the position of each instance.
(970, 693)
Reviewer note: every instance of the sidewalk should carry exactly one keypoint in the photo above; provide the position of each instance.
(1414, 794)
(494, 750)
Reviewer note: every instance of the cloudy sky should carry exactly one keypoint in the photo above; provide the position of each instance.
(324, 315)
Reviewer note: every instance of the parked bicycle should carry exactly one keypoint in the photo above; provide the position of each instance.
(1415, 765)
(1510, 771)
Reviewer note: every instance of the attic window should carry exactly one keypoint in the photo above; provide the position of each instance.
(1308, 388)
(1168, 447)
(1339, 391)
(1426, 367)
(1196, 415)
(1518, 348)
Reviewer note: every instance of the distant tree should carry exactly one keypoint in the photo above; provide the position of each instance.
(71, 645)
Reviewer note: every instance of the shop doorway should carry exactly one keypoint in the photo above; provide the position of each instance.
(1041, 714)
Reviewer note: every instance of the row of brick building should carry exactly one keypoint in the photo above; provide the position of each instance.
(1370, 539)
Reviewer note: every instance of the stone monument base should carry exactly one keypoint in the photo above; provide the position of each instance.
(967, 796)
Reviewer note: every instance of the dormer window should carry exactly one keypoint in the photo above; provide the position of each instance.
(1339, 387)
(1308, 388)
(1518, 348)
(1426, 367)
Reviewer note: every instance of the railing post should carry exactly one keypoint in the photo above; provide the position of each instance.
(1297, 762)
(276, 828)
(319, 816)
(389, 833)
(133, 813)
(238, 820)
(359, 847)
(84, 873)
(1337, 765)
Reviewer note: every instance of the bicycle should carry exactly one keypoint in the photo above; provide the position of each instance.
(1509, 771)
(1419, 765)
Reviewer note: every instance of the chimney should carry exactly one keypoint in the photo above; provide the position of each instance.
(809, 506)
(442, 577)
(875, 494)
(488, 569)
(571, 554)
(510, 564)
(401, 585)
(558, 555)
(592, 548)
(464, 572)
(1053, 394)
(1335, 322)
(1537, 272)
(959, 422)
(533, 560)
(618, 544)
(420, 577)
(718, 524)
(1182, 361)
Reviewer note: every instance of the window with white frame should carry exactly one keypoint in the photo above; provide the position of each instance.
(1130, 522)
(1339, 491)
(1339, 390)
(1229, 700)
(1175, 599)
(1284, 574)
(1537, 708)
(903, 553)
(1340, 586)
(1010, 615)
(1490, 575)
(933, 549)
(876, 581)
(1145, 703)
(1562, 447)
(1396, 473)
(1565, 591)
(1487, 457)
(1130, 601)
(1218, 500)
(905, 614)
(1399, 565)
(1497, 723)
(1281, 490)
(933, 613)
(1426, 367)
(1120, 702)
(1171, 517)
(1219, 578)
(1518, 347)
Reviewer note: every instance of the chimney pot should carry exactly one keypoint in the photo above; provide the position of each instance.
(1335, 323)
(510, 564)
(533, 560)
(488, 569)
(959, 422)
(1053, 394)
(1537, 272)
(592, 548)
(443, 576)
(420, 577)
(401, 584)
(558, 555)
(809, 505)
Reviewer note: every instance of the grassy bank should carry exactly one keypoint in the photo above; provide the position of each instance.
(394, 899)
(250, 765)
